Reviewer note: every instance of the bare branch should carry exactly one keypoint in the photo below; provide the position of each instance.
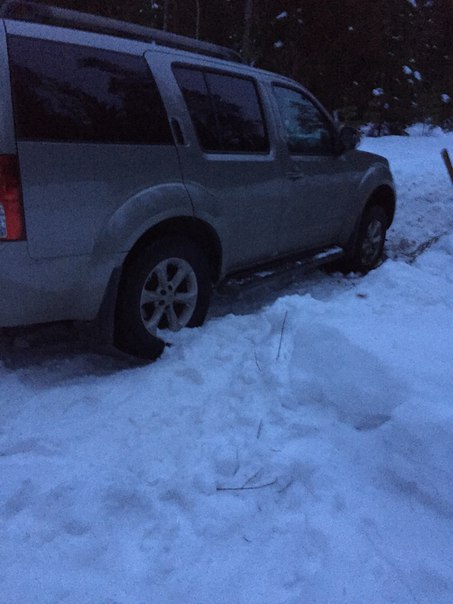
(256, 360)
(259, 486)
(447, 162)
(281, 336)
(260, 427)
(257, 473)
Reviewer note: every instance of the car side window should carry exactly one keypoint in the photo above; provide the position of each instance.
(225, 110)
(66, 92)
(195, 90)
(307, 130)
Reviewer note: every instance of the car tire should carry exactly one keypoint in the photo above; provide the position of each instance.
(369, 244)
(165, 286)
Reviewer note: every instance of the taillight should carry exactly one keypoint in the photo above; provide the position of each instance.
(12, 226)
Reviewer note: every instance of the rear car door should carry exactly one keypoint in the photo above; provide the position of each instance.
(228, 161)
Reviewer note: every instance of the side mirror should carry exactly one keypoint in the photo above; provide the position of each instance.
(349, 138)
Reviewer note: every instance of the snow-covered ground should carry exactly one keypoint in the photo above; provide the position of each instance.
(297, 449)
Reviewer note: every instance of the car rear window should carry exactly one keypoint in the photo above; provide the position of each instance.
(225, 110)
(66, 92)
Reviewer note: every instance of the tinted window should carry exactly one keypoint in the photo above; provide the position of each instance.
(64, 92)
(225, 110)
(240, 121)
(307, 130)
(195, 91)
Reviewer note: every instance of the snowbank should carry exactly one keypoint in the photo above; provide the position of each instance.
(296, 450)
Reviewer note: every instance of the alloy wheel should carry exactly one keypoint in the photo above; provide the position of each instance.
(169, 296)
(372, 242)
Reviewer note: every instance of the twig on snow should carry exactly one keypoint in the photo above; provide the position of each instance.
(281, 336)
(259, 486)
(286, 486)
(256, 361)
(260, 428)
(422, 248)
(238, 463)
(448, 163)
(249, 480)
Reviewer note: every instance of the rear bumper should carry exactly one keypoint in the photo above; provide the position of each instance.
(51, 289)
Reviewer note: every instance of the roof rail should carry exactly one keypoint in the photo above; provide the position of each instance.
(23, 10)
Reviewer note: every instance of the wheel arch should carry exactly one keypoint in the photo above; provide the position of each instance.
(171, 236)
(188, 227)
(383, 196)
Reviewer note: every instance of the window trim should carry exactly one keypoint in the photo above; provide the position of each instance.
(318, 106)
(222, 72)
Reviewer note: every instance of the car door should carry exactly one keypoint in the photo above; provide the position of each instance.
(322, 180)
(228, 162)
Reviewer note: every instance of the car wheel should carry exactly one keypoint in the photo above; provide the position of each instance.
(369, 245)
(166, 286)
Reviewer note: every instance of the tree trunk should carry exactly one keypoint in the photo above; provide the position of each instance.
(166, 14)
(197, 26)
(246, 46)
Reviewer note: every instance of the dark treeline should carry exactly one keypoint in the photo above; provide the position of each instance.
(385, 62)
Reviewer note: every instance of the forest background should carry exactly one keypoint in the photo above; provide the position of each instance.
(382, 63)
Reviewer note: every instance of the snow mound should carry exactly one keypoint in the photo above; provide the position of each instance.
(295, 450)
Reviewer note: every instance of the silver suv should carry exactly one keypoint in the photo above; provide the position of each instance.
(139, 168)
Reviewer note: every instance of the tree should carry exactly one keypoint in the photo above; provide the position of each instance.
(388, 62)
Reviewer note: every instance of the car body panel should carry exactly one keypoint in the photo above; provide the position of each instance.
(374, 173)
(51, 289)
(7, 137)
(238, 194)
(87, 205)
(71, 190)
(140, 213)
(323, 189)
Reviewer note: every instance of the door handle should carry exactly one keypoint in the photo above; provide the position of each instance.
(294, 175)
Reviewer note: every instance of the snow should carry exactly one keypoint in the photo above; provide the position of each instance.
(423, 129)
(296, 449)
(408, 71)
